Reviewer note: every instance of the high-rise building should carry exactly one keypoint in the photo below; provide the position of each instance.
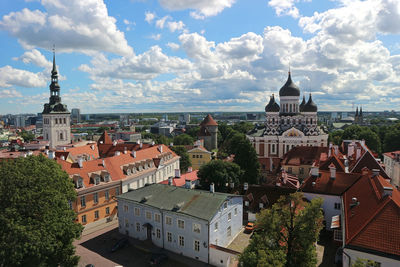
(56, 117)
(76, 115)
(287, 125)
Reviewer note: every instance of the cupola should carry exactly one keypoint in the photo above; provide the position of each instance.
(272, 105)
(289, 88)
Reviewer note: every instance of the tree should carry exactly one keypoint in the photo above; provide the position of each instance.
(184, 162)
(245, 157)
(392, 140)
(220, 173)
(243, 127)
(183, 139)
(162, 139)
(193, 132)
(27, 136)
(37, 224)
(365, 263)
(101, 129)
(287, 234)
(336, 137)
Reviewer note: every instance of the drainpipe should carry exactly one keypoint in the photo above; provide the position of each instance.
(208, 246)
(162, 228)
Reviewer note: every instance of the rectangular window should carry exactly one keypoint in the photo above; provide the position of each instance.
(137, 227)
(229, 231)
(181, 224)
(148, 215)
(158, 233)
(197, 245)
(96, 198)
(157, 217)
(107, 195)
(83, 201)
(301, 170)
(225, 205)
(107, 210)
(126, 208)
(117, 191)
(65, 121)
(83, 218)
(96, 214)
(181, 241)
(337, 206)
(235, 211)
(337, 235)
(169, 237)
(216, 226)
(137, 211)
(196, 228)
(229, 216)
(273, 148)
(168, 220)
(194, 156)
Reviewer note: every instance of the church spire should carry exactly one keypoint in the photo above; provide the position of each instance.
(54, 87)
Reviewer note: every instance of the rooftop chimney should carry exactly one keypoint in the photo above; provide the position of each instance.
(190, 169)
(332, 168)
(133, 153)
(115, 143)
(314, 171)
(64, 148)
(350, 150)
(125, 150)
(117, 153)
(52, 154)
(152, 143)
(92, 147)
(358, 153)
(160, 148)
(62, 158)
(330, 150)
(170, 180)
(103, 163)
(212, 190)
(177, 173)
(80, 162)
(140, 145)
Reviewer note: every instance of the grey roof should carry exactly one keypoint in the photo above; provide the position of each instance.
(310, 106)
(272, 105)
(196, 203)
(289, 88)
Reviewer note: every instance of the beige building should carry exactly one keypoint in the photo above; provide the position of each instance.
(392, 166)
(199, 156)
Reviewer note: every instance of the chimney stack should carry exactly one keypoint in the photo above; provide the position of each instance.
(62, 158)
(188, 184)
(65, 149)
(170, 180)
(314, 171)
(125, 150)
(387, 191)
(375, 172)
(52, 154)
(190, 169)
(117, 153)
(245, 186)
(160, 148)
(177, 173)
(332, 168)
(358, 153)
(212, 190)
(115, 143)
(133, 153)
(103, 163)
(80, 162)
(140, 145)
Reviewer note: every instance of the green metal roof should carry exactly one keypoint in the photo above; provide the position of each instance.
(197, 203)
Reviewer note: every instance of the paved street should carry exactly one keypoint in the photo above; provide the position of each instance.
(94, 248)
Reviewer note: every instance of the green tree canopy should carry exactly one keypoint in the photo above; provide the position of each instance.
(365, 263)
(184, 162)
(37, 225)
(183, 139)
(392, 140)
(193, 131)
(27, 136)
(287, 236)
(220, 173)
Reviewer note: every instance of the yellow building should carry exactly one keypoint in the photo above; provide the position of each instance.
(199, 156)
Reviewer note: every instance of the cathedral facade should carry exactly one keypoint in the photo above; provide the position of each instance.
(288, 124)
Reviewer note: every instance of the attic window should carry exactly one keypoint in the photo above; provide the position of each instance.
(96, 179)
(79, 183)
(106, 177)
(128, 172)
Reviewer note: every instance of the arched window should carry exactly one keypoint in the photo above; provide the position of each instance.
(61, 136)
(56, 120)
(290, 108)
(311, 121)
(65, 121)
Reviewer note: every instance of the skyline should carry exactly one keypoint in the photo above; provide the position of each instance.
(179, 56)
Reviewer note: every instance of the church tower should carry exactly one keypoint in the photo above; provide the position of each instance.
(56, 117)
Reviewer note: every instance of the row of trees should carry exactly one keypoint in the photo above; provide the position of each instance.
(380, 139)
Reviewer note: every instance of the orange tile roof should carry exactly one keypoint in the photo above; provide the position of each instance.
(208, 120)
(373, 223)
(192, 176)
(303, 155)
(88, 149)
(105, 138)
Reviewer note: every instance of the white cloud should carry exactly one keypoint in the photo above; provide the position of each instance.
(173, 46)
(9, 93)
(285, 7)
(35, 57)
(10, 76)
(161, 22)
(175, 25)
(74, 25)
(155, 36)
(202, 8)
(149, 16)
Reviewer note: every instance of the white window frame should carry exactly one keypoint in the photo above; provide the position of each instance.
(181, 224)
(107, 210)
(83, 201)
(137, 211)
(169, 237)
(84, 219)
(229, 231)
(236, 212)
(337, 235)
(96, 198)
(157, 217)
(148, 215)
(216, 226)
(229, 216)
(196, 245)
(168, 220)
(158, 233)
(96, 214)
(197, 228)
(137, 227)
(126, 208)
(181, 241)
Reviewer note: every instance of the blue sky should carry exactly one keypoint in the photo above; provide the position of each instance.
(203, 55)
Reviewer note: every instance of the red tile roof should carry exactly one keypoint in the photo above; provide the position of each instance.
(208, 121)
(333, 159)
(90, 149)
(369, 161)
(327, 186)
(304, 155)
(393, 154)
(192, 176)
(104, 139)
(373, 223)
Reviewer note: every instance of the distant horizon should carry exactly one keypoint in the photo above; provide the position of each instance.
(223, 55)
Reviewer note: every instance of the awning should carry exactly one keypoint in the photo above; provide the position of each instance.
(335, 222)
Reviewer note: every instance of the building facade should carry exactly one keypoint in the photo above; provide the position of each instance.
(199, 156)
(287, 125)
(184, 221)
(56, 117)
(392, 166)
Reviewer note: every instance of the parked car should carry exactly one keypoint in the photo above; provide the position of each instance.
(123, 242)
(249, 227)
(158, 258)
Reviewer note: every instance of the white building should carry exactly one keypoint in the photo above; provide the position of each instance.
(56, 117)
(287, 125)
(392, 166)
(184, 221)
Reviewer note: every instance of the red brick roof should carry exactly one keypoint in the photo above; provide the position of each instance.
(192, 176)
(369, 161)
(327, 186)
(104, 138)
(90, 149)
(333, 159)
(373, 223)
(304, 155)
(208, 121)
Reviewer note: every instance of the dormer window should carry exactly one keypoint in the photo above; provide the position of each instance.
(128, 172)
(79, 183)
(96, 179)
(106, 177)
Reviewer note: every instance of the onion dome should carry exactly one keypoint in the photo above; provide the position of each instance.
(310, 106)
(289, 89)
(303, 103)
(272, 105)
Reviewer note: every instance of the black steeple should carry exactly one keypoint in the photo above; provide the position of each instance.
(303, 103)
(289, 88)
(54, 87)
(310, 106)
(356, 112)
(361, 112)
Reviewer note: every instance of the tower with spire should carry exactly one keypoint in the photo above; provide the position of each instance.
(288, 124)
(56, 117)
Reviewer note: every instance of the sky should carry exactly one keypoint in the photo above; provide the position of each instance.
(134, 56)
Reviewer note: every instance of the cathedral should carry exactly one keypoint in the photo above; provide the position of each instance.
(288, 124)
(56, 117)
